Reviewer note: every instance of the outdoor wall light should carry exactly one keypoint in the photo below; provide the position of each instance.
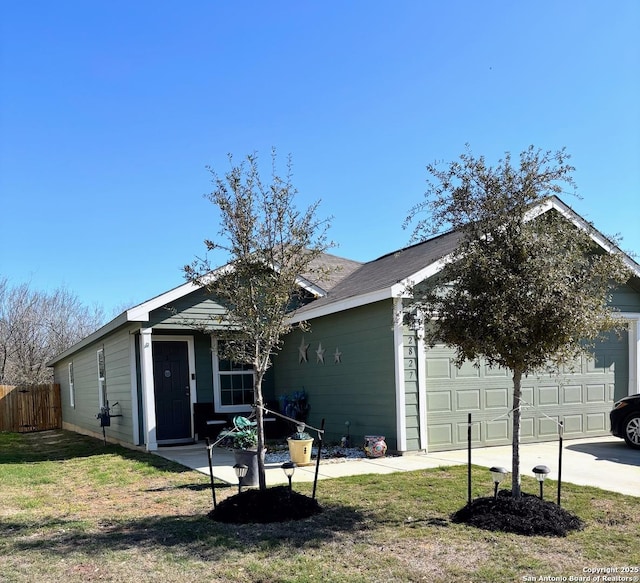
(288, 468)
(241, 471)
(115, 410)
(541, 473)
(497, 474)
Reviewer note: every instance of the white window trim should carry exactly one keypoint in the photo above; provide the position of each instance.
(72, 390)
(102, 397)
(217, 389)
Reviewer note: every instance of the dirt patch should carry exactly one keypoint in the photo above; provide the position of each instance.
(528, 515)
(276, 504)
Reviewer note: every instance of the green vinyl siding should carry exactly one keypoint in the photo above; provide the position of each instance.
(117, 354)
(195, 311)
(360, 388)
(626, 298)
(204, 368)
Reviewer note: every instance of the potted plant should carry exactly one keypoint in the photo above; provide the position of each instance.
(300, 444)
(243, 440)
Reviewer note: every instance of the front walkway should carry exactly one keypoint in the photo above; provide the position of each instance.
(603, 462)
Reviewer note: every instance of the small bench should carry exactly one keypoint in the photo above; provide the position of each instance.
(208, 423)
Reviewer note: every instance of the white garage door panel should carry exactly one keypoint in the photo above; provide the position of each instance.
(572, 394)
(497, 431)
(441, 434)
(581, 397)
(496, 398)
(438, 401)
(573, 424)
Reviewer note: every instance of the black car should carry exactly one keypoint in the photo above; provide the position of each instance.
(625, 420)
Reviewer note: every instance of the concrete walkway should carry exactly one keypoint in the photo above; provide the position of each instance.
(603, 462)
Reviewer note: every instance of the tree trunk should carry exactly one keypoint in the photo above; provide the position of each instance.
(260, 431)
(515, 458)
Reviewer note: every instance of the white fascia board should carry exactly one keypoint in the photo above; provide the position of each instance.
(106, 329)
(346, 304)
(585, 226)
(400, 288)
(141, 312)
(310, 287)
(138, 313)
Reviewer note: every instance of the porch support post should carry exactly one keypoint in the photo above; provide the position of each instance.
(398, 345)
(148, 391)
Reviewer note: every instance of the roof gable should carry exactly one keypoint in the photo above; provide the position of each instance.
(389, 276)
(333, 270)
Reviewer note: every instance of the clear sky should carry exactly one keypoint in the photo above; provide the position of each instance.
(110, 111)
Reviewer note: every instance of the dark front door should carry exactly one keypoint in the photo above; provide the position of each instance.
(172, 390)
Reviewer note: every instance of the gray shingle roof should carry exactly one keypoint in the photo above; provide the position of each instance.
(387, 270)
(333, 270)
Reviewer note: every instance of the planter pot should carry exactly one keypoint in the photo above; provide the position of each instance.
(300, 451)
(249, 458)
(375, 446)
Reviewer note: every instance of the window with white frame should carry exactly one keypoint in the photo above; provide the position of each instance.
(233, 385)
(236, 383)
(72, 390)
(102, 378)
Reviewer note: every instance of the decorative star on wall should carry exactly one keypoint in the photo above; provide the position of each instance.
(320, 354)
(337, 356)
(302, 351)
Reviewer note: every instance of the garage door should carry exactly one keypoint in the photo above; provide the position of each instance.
(581, 396)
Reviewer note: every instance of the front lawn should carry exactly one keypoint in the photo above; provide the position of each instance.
(73, 510)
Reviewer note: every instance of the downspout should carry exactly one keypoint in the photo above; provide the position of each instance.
(398, 346)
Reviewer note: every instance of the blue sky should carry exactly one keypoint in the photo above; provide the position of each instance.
(110, 111)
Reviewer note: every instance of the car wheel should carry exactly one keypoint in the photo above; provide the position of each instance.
(632, 430)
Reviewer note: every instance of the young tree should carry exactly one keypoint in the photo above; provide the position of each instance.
(270, 245)
(521, 291)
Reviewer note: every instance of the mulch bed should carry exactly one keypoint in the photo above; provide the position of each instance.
(264, 506)
(528, 516)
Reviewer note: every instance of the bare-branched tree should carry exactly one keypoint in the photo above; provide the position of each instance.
(270, 246)
(35, 326)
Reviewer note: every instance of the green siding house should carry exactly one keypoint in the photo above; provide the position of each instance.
(366, 373)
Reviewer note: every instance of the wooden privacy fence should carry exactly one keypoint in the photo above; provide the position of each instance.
(27, 408)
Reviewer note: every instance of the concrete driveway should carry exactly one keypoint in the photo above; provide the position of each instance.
(603, 462)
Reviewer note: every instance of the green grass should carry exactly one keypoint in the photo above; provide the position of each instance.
(74, 510)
